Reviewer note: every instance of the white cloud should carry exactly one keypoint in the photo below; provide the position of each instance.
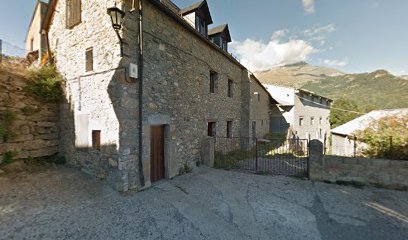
(319, 30)
(336, 62)
(309, 6)
(278, 35)
(261, 56)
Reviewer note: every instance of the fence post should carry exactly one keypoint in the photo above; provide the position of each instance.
(355, 146)
(390, 153)
(316, 160)
(208, 151)
(256, 154)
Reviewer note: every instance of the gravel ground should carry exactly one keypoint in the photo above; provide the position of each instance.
(63, 203)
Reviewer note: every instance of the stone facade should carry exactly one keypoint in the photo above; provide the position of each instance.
(378, 172)
(261, 106)
(35, 130)
(176, 91)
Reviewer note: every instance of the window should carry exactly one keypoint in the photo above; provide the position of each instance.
(89, 60)
(320, 133)
(201, 26)
(229, 129)
(320, 120)
(312, 121)
(212, 129)
(96, 139)
(230, 88)
(258, 96)
(213, 81)
(301, 121)
(73, 13)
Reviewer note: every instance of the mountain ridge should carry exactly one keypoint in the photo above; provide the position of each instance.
(376, 90)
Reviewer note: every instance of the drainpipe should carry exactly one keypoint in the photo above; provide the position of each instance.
(140, 17)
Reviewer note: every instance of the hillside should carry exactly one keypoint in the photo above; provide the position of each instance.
(296, 75)
(379, 89)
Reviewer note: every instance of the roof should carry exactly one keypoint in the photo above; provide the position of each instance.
(219, 30)
(283, 95)
(197, 6)
(314, 94)
(364, 121)
(53, 3)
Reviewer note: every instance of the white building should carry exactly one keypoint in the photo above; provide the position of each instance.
(305, 114)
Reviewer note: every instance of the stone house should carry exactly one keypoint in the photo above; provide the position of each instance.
(141, 101)
(301, 114)
(343, 137)
(35, 41)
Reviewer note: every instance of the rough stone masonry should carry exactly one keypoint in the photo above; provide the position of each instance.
(102, 103)
(32, 126)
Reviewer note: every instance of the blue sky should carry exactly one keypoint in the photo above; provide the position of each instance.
(351, 35)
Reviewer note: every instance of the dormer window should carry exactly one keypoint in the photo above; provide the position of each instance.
(201, 26)
(198, 16)
(220, 36)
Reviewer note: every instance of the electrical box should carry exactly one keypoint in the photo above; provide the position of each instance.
(133, 71)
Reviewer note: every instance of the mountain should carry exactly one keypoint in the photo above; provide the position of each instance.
(296, 75)
(378, 90)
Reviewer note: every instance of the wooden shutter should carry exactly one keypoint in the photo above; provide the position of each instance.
(73, 13)
(89, 60)
(96, 139)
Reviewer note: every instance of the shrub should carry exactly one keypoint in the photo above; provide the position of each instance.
(8, 157)
(27, 110)
(6, 119)
(386, 138)
(46, 84)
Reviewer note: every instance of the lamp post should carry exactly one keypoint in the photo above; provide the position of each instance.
(117, 17)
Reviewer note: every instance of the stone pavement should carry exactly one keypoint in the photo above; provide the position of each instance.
(62, 203)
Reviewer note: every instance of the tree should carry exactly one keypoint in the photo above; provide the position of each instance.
(343, 110)
(386, 138)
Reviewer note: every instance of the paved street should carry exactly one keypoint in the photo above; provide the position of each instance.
(62, 203)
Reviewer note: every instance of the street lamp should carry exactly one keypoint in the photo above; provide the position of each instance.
(117, 17)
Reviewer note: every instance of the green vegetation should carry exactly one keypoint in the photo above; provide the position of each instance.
(376, 90)
(6, 120)
(231, 159)
(361, 93)
(8, 157)
(386, 138)
(46, 84)
(185, 169)
(27, 110)
(338, 116)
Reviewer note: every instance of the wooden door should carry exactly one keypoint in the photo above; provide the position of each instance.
(157, 153)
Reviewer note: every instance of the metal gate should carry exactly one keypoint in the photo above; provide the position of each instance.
(287, 157)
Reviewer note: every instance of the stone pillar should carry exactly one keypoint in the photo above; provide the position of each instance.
(207, 151)
(316, 160)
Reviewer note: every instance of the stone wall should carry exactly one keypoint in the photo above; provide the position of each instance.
(260, 110)
(176, 92)
(378, 172)
(35, 130)
(103, 99)
(177, 89)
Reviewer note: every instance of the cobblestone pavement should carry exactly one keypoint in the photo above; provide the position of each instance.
(63, 203)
